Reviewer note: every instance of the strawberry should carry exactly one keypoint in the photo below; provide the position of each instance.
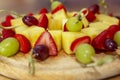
(90, 16)
(59, 7)
(98, 41)
(9, 17)
(78, 41)
(7, 33)
(43, 21)
(7, 22)
(46, 39)
(43, 10)
(4, 24)
(65, 28)
(24, 43)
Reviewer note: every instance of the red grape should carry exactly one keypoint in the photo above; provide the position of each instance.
(41, 52)
(30, 20)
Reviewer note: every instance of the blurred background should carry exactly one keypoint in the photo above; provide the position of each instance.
(26, 6)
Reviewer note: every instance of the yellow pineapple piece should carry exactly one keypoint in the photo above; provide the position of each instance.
(32, 33)
(107, 19)
(57, 36)
(55, 23)
(99, 25)
(17, 22)
(91, 31)
(70, 14)
(68, 38)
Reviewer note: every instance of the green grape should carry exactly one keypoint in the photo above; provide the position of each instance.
(73, 24)
(117, 38)
(55, 4)
(9, 47)
(84, 53)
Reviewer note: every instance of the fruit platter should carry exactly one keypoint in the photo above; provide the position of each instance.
(60, 45)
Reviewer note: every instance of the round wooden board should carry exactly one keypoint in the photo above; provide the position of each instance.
(61, 67)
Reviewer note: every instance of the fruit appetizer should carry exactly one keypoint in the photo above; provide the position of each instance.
(60, 45)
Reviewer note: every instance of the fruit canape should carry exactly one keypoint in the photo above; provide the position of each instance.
(80, 35)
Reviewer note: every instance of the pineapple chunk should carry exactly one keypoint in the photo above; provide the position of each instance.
(33, 33)
(107, 19)
(68, 38)
(57, 36)
(17, 22)
(91, 31)
(19, 29)
(71, 14)
(55, 23)
(85, 22)
(99, 25)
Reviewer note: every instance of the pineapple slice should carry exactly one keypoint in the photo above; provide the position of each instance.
(91, 31)
(107, 19)
(55, 23)
(17, 22)
(57, 36)
(32, 33)
(99, 25)
(68, 38)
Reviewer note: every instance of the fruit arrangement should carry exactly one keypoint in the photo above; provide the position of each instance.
(83, 34)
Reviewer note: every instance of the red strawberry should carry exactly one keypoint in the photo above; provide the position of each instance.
(24, 43)
(7, 33)
(4, 24)
(43, 21)
(7, 22)
(78, 41)
(43, 10)
(90, 16)
(65, 28)
(46, 39)
(59, 7)
(98, 42)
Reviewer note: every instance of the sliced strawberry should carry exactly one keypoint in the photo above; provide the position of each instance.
(43, 21)
(24, 43)
(59, 7)
(7, 22)
(98, 41)
(78, 41)
(7, 33)
(4, 24)
(43, 10)
(65, 28)
(90, 16)
(46, 39)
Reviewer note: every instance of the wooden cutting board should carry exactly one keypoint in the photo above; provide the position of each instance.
(113, 78)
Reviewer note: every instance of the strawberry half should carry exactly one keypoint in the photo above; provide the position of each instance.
(90, 16)
(46, 39)
(78, 41)
(7, 22)
(24, 43)
(98, 41)
(59, 7)
(43, 10)
(43, 21)
(7, 33)
(65, 28)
